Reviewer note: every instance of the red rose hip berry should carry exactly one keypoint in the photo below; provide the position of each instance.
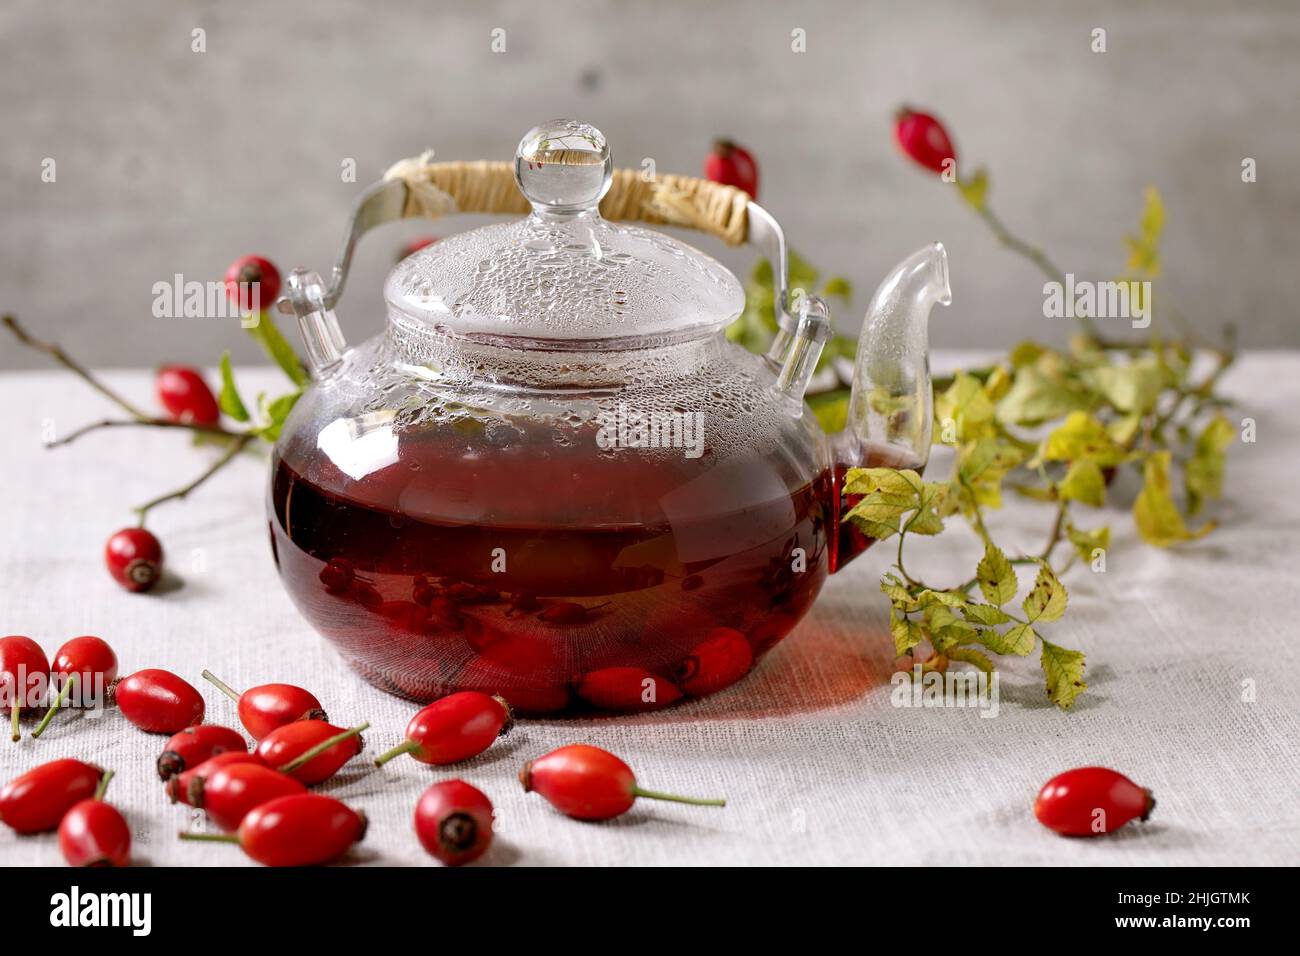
(453, 728)
(37, 801)
(305, 829)
(186, 396)
(193, 745)
(182, 787)
(266, 707)
(24, 677)
(454, 822)
(93, 833)
(923, 138)
(252, 283)
(732, 165)
(85, 660)
(588, 783)
(134, 558)
(721, 659)
(1089, 801)
(158, 701)
(233, 791)
(311, 751)
(627, 688)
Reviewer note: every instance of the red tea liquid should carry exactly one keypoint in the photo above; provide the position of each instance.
(443, 571)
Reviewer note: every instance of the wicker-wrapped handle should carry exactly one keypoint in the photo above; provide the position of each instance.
(439, 189)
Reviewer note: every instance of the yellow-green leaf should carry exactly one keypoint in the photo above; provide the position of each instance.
(1144, 246)
(831, 409)
(1081, 436)
(1025, 353)
(1048, 598)
(968, 406)
(976, 189)
(229, 399)
(1018, 640)
(929, 598)
(1084, 483)
(1064, 671)
(899, 596)
(986, 615)
(996, 576)
(1157, 517)
(1035, 398)
(907, 633)
(1203, 474)
(1132, 388)
(1086, 543)
(971, 656)
(278, 348)
(947, 629)
(864, 481)
(982, 467)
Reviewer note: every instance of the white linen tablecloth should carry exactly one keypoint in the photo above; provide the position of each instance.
(818, 767)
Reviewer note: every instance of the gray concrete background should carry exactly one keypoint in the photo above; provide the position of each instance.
(170, 161)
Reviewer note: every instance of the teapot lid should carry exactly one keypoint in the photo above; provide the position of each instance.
(564, 274)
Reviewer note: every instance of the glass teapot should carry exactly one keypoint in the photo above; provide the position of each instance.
(552, 477)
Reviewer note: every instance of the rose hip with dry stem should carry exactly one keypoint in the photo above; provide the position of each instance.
(588, 783)
(158, 701)
(311, 750)
(85, 660)
(134, 558)
(180, 788)
(193, 745)
(305, 829)
(229, 794)
(37, 800)
(454, 822)
(1090, 801)
(94, 833)
(24, 676)
(264, 708)
(453, 728)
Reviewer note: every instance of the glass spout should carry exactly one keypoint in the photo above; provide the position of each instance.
(891, 408)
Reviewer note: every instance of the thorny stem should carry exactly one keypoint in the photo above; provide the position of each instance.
(62, 357)
(141, 422)
(1038, 258)
(138, 417)
(239, 440)
(238, 445)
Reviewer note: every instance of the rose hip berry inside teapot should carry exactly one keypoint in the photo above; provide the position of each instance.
(552, 477)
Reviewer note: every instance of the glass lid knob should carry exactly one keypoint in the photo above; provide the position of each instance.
(563, 166)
